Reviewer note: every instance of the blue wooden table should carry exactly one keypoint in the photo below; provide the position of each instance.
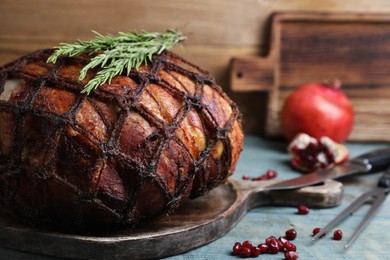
(258, 156)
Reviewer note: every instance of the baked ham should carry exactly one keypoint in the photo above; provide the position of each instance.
(132, 149)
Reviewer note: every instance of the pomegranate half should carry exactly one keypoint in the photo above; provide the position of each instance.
(309, 154)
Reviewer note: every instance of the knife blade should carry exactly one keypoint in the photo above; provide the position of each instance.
(373, 161)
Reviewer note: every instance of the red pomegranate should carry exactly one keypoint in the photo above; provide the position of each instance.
(318, 110)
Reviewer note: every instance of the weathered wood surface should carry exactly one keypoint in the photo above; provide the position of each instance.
(196, 223)
(217, 30)
(312, 47)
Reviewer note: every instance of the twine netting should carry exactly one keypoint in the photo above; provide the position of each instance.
(132, 149)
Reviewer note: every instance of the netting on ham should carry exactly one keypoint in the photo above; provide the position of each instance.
(132, 149)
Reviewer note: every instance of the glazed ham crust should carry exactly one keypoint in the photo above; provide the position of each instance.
(132, 149)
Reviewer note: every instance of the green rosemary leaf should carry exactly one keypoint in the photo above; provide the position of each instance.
(116, 54)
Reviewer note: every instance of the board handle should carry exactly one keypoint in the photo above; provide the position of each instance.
(251, 74)
(326, 195)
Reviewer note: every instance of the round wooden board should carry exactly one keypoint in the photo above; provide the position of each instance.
(194, 224)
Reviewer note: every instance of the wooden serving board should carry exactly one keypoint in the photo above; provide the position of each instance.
(312, 47)
(196, 223)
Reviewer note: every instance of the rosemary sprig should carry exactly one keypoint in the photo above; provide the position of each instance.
(117, 54)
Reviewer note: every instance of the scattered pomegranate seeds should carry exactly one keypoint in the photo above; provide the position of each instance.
(270, 174)
(246, 249)
(337, 235)
(272, 245)
(290, 255)
(303, 210)
(291, 234)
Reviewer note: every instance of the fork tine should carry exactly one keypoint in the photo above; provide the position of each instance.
(380, 197)
(352, 207)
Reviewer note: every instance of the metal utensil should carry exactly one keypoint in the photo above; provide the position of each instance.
(377, 195)
(376, 160)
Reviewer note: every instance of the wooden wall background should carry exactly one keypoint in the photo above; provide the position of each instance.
(217, 29)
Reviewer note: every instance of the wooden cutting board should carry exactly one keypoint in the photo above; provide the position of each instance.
(312, 47)
(196, 223)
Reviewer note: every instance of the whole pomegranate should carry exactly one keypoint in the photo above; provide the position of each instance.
(318, 110)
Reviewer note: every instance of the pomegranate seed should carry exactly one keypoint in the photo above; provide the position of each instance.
(281, 246)
(290, 246)
(260, 178)
(255, 251)
(323, 165)
(337, 235)
(263, 248)
(245, 177)
(291, 234)
(281, 242)
(312, 148)
(329, 156)
(270, 174)
(273, 247)
(263, 177)
(316, 231)
(247, 244)
(290, 255)
(303, 210)
(268, 240)
(296, 161)
(295, 149)
(246, 252)
(237, 248)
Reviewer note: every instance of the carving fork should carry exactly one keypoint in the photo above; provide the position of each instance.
(378, 195)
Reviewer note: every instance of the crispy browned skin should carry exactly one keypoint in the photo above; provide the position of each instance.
(132, 149)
